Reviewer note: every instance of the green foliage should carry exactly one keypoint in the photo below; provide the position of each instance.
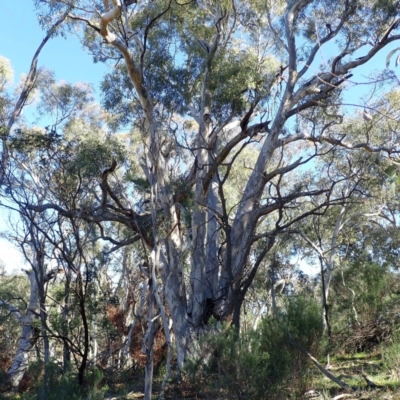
(15, 291)
(301, 319)
(229, 361)
(365, 311)
(140, 183)
(180, 188)
(64, 386)
(260, 364)
(392, 173)
(234, 74)
(374, 280)
(117, 96)
(391, 356)
(6, 72)
(375, 291)
(26, 141)
(59, 386)
(66, 100)
(94, 154)
(96, 390)
(174, 64)
(387, 7)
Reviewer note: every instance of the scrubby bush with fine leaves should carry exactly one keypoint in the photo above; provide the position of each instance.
(261, 364)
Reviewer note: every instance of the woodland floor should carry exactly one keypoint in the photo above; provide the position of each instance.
(350, 369)
(354, 370)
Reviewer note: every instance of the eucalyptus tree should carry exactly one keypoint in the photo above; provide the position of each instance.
(44, 165)
(27, 233)
(12, 103)
(57, 245)
(370, 177)
(199, 82)
(324, 234)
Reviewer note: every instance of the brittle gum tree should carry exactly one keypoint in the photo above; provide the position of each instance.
(199, 81)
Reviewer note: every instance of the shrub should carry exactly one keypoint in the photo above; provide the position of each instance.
(365, 312)
(260, 364)
(65, 386)
(391, 358)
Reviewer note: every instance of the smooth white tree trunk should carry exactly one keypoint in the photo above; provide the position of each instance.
(29, 335)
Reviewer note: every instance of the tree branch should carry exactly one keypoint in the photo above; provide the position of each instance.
(224, 153)
(13, 310)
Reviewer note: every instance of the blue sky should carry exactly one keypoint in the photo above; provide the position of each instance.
(21, 35)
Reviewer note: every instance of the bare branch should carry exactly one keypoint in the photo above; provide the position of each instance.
(224, 153)
(289, 31)
(13, 310)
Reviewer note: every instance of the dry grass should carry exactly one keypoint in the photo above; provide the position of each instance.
(355, 370)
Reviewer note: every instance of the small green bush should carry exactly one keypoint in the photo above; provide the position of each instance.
(288, 367)
(391, 358)
(260, 364)
(59, 386)
(64, 386)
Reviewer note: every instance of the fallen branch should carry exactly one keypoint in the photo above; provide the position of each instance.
(328, 374)
(370, 384)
